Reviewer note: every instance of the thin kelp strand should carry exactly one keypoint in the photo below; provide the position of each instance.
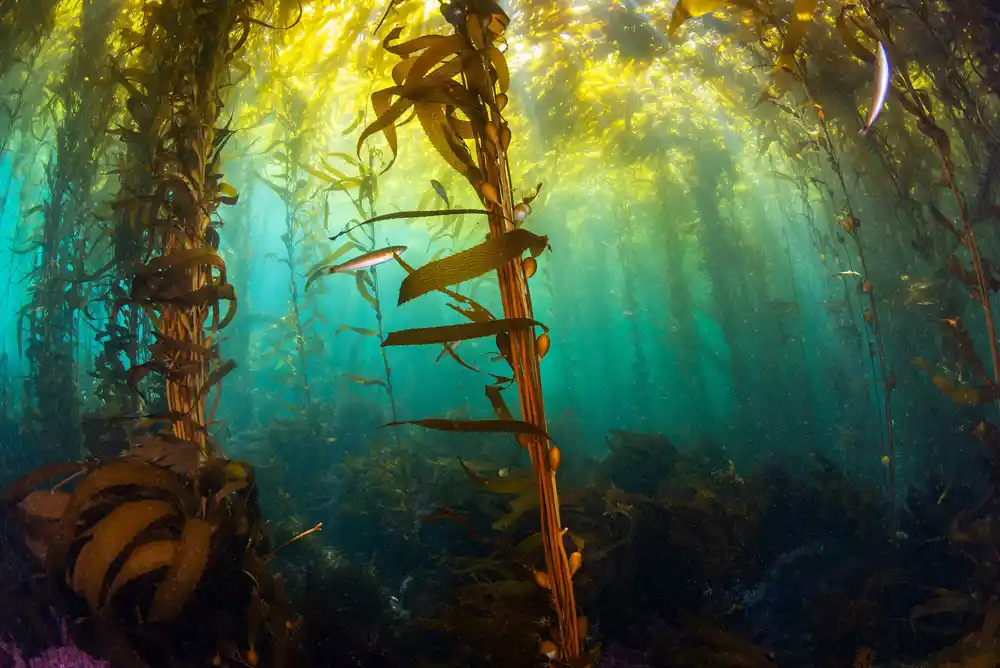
(398, 215)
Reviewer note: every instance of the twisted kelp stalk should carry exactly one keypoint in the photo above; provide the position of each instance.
(175, 103)
(436, 96)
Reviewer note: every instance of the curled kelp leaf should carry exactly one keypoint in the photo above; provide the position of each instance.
(109, 538)
(476, 426)
(144, 559)
(471, 263)
(185, 572)
(110, 476)
(450, 333)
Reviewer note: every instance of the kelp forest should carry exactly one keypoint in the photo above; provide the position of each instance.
(499, 333)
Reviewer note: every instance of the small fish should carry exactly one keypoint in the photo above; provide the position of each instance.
(846, 273)
(370, 259)
(881, 89)
(504, 472)
(944, 494)
(439, 189)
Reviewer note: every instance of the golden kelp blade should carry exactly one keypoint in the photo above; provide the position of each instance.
(185, 572)
(144, 559)
(472, 263)
(115, 474)
(475, 312)
(110, 538)
(451, 333)
(476, 426)
(692, 9)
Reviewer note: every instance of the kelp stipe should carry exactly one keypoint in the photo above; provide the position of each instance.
(435, 94)
(366, 280)
(182, 281)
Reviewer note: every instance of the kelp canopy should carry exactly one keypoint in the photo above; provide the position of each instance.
(262, 229)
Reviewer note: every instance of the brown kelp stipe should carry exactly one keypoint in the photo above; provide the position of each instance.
(492, 155)
(466, 72)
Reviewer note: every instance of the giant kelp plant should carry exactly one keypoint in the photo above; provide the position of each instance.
(751, 225)
(426, 82)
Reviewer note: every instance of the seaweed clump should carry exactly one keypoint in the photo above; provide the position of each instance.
(160, 554)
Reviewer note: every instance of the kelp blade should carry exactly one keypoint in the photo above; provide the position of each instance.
(450, 333)
(471, 263)
(476, 426)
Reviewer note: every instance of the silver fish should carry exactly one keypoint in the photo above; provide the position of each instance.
(369, 259)
(881, 88)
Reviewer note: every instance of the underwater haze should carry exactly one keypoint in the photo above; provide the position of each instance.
(474, 333)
